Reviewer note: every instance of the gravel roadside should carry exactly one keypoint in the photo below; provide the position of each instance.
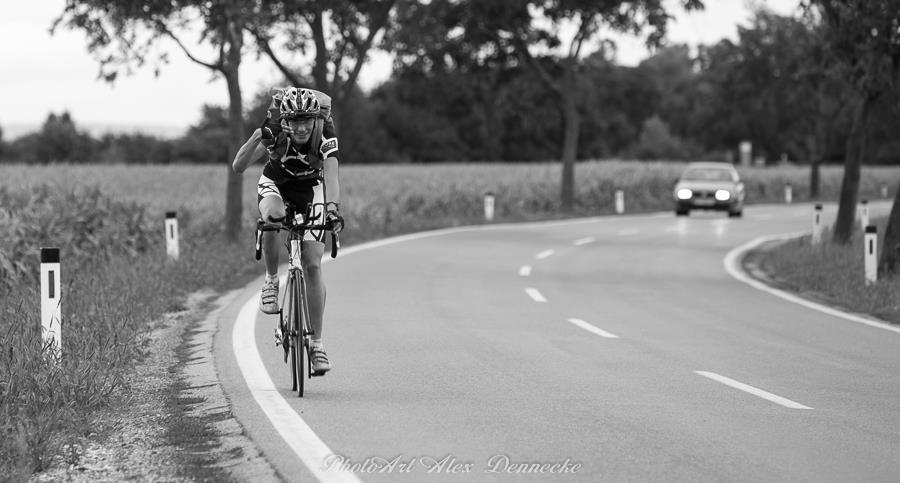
(173, 423)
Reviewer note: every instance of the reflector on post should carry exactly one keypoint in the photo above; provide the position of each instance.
(488, 206)
(871, 248)
(51, 319)
(817, 225)
(172, 235)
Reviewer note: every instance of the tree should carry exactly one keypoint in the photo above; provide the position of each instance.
(338, 33)
(122, 34)
(863, 38)
(205, 141)
(60, 140)
(658, 143)
(529, 31)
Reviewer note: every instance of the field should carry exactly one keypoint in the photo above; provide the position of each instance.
(381, 200)
(108, 221)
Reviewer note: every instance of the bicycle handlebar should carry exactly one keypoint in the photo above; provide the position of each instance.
(262, 226)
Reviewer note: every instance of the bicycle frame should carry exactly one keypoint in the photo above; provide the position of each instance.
(296, 332)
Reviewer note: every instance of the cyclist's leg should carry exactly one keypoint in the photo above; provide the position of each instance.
(315, 284)
(313, 249)
(271, 207)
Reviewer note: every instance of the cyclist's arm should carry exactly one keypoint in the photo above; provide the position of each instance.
(252, 151)
(329, 151)
(332, 181)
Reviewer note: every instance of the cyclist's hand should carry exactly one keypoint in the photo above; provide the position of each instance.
(334, 219)
(267, 137)
(276, 144)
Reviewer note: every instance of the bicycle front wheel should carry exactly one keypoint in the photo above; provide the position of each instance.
(298, 341)
(288, 314)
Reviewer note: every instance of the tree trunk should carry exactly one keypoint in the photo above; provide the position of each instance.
(814, 178)
(320, 67)
(571, 125)
(815, 161)
(856, 146)
(234, 189)
(890, 252)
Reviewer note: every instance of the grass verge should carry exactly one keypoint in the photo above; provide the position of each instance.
(831, 273)
(116, 279)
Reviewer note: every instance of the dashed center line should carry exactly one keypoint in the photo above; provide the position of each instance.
(535, 295)
(590, 328)
(585, 241)
(525, 270)
(544, 254)
(753, 390)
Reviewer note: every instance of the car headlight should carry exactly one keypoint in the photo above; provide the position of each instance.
(723, 195)
(684, 194)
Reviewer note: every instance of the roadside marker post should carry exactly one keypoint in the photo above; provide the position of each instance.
(51, 318)
(489, 206)
(817, 225)
(788, 193)
(172, 235)
(746, 150)
(864, 214)
(620, 202)
(871, 247)
(884, 190)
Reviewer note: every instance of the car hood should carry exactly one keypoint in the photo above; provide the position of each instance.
(705, 185)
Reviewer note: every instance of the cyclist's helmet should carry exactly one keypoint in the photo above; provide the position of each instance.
(299, 103)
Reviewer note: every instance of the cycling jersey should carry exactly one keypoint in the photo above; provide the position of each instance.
(295, 163)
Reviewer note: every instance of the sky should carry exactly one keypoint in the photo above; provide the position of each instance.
(42, 73)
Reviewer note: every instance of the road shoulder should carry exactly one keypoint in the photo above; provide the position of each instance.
(173, 422)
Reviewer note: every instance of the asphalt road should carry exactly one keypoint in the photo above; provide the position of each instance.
(614, 348)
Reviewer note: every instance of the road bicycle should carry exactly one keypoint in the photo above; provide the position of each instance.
(293, 312)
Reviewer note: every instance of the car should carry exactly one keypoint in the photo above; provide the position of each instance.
(709, 186)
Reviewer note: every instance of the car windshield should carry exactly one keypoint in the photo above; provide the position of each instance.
(706, 174)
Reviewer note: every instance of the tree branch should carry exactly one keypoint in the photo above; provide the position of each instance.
(379, 18)
(263, 43)
(522, 47)
(217, 66)
(578, 39)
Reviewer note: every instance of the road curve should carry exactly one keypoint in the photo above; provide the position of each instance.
(615, 348)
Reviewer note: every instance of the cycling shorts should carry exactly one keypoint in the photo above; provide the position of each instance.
(306, 196)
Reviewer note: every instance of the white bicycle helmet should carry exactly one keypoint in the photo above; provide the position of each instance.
(299, 103)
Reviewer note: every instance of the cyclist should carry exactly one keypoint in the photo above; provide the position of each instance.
(300, 146)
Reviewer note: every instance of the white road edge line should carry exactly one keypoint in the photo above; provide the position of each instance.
(525, 270)
(544, 254)
(732, 264)
(752, 390)
(591, 328)
(585, 241)
(290, 425)
(535, 295)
